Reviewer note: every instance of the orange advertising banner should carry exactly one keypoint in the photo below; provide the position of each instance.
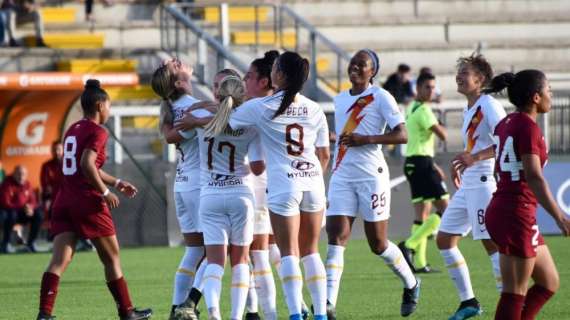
(63, 80)
(34, 122)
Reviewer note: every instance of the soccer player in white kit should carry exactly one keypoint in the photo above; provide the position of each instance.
(472, 173)
(171, 81)
(360, 182)
(258, 84)
(227, 203)
(294, 134)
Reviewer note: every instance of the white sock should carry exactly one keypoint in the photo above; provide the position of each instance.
(459, 273)
(240, 286)
(264, 283)
(212, 282)
(316, 279)
(274, 255)
(198, 283)
(185, 274)
(497, 270)
(252, 300)
(292, 281)
(334, 266)
(394, 258)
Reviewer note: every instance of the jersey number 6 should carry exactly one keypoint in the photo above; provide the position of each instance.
(295, 147)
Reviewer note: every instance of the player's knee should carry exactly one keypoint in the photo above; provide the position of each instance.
(443, 242)
(377, 246)
(337, 235)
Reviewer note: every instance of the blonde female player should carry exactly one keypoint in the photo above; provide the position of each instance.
(294, 133)
(227, 203)
(171, 81)
(360, 182)
(473, 169)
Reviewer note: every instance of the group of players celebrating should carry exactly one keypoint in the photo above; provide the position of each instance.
(249, 185)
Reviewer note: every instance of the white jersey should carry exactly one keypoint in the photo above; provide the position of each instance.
(479, 123)
(367, 113)
(188, 165)
(224, 159)
(289, 140)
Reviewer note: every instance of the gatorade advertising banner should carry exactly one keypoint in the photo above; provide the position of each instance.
(33, 123)
(558, 176)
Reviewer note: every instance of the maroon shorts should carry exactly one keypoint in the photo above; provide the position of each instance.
(512, 226)
(86, 215)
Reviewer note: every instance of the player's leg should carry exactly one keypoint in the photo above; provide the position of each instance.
(285, 221)
(241, 215)
(263, 276)
(216, 255)
(414, 248)
(312, 208)
(515, 272)
(376, 234)
(187, 206)
(63, 251)
(108, 251)
(546, 283)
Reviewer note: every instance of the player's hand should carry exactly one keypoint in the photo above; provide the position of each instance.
(463, 161)
(28, 210)
(127, 189)
(564, 225)
(112, 200)
(210, 106)
(353, 140)
(455, 177)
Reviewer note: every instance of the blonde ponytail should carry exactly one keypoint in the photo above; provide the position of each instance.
(232, 94)
(166, 114)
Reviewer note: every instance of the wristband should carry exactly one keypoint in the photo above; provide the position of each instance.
(106, 192)
(117, 183)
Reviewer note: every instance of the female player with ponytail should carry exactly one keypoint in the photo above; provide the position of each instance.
(82, 206)
(521, 154)
(360, 183)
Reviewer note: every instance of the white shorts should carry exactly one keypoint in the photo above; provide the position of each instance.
(261, 224)
(291, 203)
(466, 212)
(187, 206)
(368, 199)
(227, 218)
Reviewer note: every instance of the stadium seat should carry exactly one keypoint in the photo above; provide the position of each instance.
(131, 93)
(69, 40)
(237, 14)
(265, 38)
(96, 65)
(53, 15)
(140, 122)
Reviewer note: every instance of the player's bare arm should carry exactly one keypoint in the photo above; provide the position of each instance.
(125, 187)
(91, 172)
(210, 106)
(190, 122)
(439, 131)
(257, 167)
(324, 155)
(398, 135)
(539, 186)
(170, 134)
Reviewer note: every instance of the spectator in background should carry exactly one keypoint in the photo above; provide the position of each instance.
(437, 94)
(399, 85)
(51, 176)
(2, 172)
(19, 205)
(22, 11)
(89, 8)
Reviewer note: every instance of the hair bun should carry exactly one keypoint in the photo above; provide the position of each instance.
(271, 55)
(507, 78)
(92, 84)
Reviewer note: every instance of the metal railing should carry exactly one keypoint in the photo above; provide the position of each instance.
(311, 40)
(181, 36)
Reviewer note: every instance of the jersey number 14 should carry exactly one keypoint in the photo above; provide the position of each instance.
(508, 161)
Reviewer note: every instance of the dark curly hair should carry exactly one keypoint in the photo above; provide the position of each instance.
(478, 62)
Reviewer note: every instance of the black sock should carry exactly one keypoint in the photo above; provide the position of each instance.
(419, 223)
(439, 213)
(195, 295)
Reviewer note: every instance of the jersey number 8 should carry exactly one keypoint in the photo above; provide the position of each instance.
(295, 147)
(69, 160)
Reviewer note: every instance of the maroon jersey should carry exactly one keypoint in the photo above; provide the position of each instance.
(516, 135)
(83, 134)
(15, 196)
(51, 178)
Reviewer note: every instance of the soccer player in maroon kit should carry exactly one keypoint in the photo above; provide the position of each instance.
(82, 206)
(511, 215)
(51, 177)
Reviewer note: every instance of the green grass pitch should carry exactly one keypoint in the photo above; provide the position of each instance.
(368, 291)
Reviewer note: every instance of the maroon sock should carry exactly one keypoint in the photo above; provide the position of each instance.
(536, 297)
(509, 307)
(48, 292)
(120, 293)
